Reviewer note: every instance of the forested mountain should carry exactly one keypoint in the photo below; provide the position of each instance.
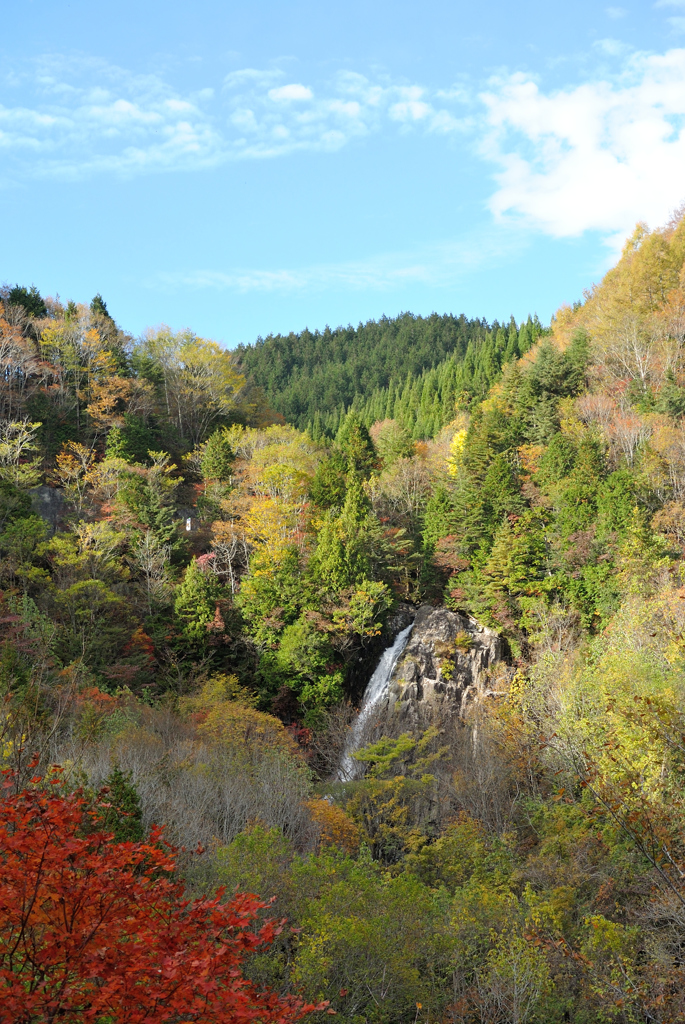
(380, 368)
(195, 592)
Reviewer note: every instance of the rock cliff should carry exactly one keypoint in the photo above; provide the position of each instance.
(450, 660)
(48, 503)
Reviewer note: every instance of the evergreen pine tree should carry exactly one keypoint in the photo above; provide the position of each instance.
(124, 816)
(354, 441)
(218, 456)
(346, 542)
(439, 517)
(195, 603)
(29, 299)
(98, 307)
(329, 484)
(116, 446)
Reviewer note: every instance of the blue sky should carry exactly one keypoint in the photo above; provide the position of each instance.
(242, 169)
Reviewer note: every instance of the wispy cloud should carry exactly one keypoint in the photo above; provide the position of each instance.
(440, 265)
(598, 156)
(79, 117)
(676, 21)
(294, 91)
(595, 156)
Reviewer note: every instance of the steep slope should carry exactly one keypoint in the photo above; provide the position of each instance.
(315, 376)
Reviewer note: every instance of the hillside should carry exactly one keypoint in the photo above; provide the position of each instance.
(314, 378)
(200, 609)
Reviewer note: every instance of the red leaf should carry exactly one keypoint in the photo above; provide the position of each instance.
(125, 944)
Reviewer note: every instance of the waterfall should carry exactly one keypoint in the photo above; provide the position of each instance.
(376, 689)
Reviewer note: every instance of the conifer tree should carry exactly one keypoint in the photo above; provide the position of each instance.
(196, 599)
(345, 544)
(29, 299)
(354, 441)
(217, 456)
(439, 517)
(124, 816)
(116, 446)
(98, 307)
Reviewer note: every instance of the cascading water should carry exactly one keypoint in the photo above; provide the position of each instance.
(376, 689)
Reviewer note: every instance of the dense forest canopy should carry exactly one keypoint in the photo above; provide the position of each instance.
(203, 553)
(382, 369)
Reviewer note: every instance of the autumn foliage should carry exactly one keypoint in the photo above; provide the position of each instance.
(93, 930)
(336, 827)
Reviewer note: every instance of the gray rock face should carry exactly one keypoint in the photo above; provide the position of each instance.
(48, 503)
(449, 661)
(403, 615)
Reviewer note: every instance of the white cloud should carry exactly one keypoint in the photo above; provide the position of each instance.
(598, 156)
(410, 110)
(612, 47)
(122, 113)
(253, 76)
(677, 22)
(245, 120)
(616, 12)
(180, 106)
(80, 117)
(285, 93)
(349, 108)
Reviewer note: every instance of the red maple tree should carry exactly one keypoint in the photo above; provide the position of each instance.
(92, 930)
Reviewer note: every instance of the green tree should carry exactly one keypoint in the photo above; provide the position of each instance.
(354, 441)
(329, 485)
(375, 944)
(258, 860)
(576, 496)
(501, 490)
(558, 460)
(272, 595)
(14, 503)
(150, 496)
(439, 519)
(196, 601)
(98, 307)
(18, 439)
(29, 299)
(218, 456)
(124, 816)
(393, 442)
(132, 440)
(346, 543)
(517, 566)
(95, 624)
(115, 445)
(19, 542)
(306, 662)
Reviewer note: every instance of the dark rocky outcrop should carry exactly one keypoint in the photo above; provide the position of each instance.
(450, 660)
(49, 504)
(361, 666)
(401, 617)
